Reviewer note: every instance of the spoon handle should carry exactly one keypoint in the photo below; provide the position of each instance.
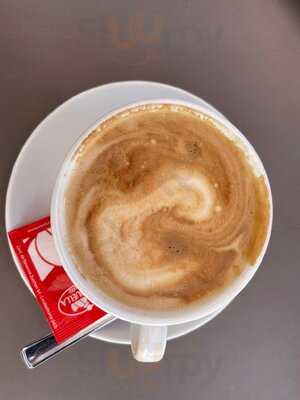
(43, 349)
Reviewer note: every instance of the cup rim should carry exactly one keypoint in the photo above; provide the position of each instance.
(196, 310)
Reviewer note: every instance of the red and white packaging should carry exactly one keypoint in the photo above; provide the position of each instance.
(66, 309)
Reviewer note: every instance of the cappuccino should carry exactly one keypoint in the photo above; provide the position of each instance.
(162, 208)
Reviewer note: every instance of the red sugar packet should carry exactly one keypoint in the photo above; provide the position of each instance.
(66, 309)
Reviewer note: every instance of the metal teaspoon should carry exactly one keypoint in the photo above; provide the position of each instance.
(43, 349)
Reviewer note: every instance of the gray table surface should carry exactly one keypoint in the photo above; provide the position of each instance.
(242, 56)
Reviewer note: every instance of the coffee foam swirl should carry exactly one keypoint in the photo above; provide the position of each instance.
(162, 209)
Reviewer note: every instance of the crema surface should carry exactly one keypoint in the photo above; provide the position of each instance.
(162, 209)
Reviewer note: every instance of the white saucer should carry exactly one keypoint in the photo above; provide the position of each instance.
(36, 168)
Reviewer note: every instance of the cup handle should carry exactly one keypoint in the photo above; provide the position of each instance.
(148, 343)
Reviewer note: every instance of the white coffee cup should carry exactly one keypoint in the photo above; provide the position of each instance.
(149, 328)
